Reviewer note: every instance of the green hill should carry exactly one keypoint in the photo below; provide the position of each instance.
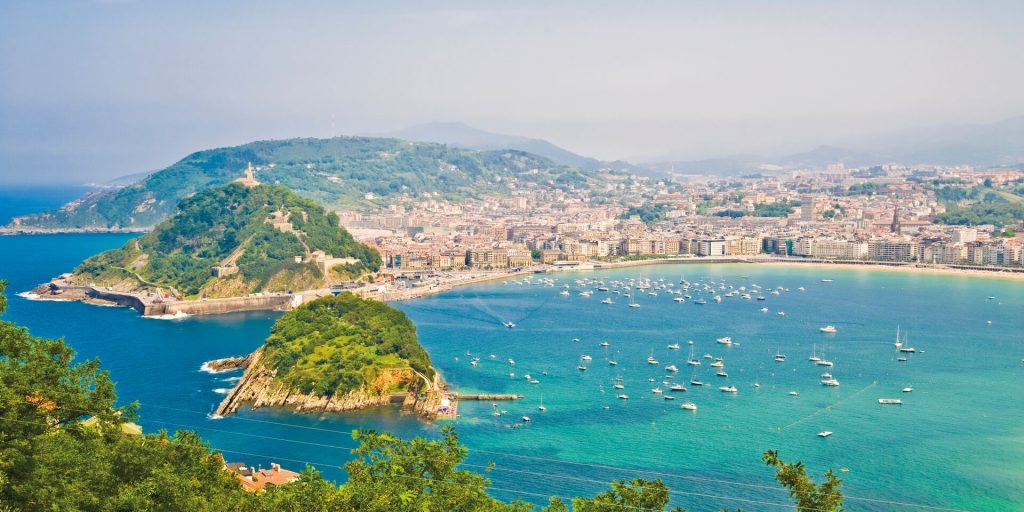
(234, 240)
(334, 345)
(342, 172)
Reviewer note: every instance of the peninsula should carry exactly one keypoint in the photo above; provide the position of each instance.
(335, 354)
(235, 247)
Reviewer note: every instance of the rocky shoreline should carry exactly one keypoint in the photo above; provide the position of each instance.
(258, 387)
(226, 364)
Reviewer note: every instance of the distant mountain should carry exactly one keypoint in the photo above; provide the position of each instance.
(123, 181)
(727, 166)
(825, 155)
(341, 172)
(995, 144)
(252, 234)
(465, 136)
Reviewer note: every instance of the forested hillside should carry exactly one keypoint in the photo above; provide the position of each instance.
(342, 172)
(253, 234)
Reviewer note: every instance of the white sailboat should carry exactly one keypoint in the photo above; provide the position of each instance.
(814, 354)
(905, 348)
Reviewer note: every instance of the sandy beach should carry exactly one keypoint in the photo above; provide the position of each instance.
(986, 272)
(1017, 274)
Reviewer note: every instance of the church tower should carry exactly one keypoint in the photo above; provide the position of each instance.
(895, 226)
(250, 179)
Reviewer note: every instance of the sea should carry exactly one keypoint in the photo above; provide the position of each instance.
(956, 442)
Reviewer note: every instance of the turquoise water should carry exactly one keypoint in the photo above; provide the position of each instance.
(956, 442)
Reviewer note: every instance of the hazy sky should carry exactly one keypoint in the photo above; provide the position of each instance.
(99, 89)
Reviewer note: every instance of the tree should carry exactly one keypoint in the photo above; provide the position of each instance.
(392, 475)
(50, 459)
(638, 494)
(810, 497)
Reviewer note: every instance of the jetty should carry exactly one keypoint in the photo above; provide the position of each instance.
(488, 398)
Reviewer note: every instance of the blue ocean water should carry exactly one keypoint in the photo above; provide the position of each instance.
(956, 441)
(23, 200)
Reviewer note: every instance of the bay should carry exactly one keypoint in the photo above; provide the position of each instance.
(956, 441)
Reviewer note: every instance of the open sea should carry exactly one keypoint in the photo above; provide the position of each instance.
(957, 442)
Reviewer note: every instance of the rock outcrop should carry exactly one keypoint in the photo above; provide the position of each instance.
(259, 388)
(227, 364)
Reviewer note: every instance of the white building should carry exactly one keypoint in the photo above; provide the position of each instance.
(711, 248)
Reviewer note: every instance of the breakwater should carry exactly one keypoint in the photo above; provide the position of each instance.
(164, 307)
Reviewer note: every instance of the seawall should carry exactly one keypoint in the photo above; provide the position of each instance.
(218, 306)
(59, 290)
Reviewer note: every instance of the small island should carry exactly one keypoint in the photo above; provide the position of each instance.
(236, 247)
(334, 354)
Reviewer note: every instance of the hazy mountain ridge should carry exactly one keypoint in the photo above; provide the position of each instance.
(465, 136)
(341, 172)
(981, 145)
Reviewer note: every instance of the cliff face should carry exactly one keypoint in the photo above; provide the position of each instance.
(259, 388)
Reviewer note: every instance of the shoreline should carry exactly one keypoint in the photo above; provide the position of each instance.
(924, 268)
(184, 309)
(426, 291)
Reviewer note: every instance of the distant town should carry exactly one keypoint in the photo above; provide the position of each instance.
(889, 213)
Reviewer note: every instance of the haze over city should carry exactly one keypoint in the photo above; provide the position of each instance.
(96, 90)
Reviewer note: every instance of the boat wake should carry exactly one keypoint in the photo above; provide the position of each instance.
(828, 408)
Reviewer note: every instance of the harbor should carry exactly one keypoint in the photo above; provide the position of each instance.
(157, 363)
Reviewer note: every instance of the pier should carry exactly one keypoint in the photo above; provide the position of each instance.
(460, 396)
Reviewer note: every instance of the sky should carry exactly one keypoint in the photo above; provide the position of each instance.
(93, 90)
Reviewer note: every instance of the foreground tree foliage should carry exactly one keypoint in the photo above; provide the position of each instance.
(638, 494)
(51, 459)
(810, 497)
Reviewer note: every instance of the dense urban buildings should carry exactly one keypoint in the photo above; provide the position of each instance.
(888, 213)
